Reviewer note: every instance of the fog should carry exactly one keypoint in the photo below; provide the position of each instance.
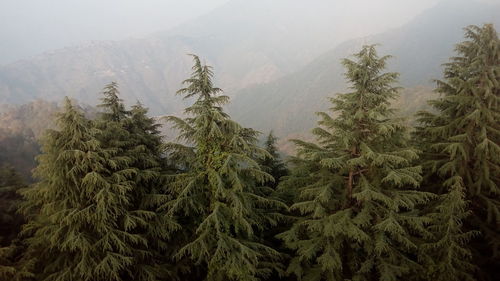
(29, 27)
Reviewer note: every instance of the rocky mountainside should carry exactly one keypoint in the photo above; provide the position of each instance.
(278, 70)
(248, 43)
(287, 105)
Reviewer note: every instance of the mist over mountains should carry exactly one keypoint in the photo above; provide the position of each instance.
(248, 43)
(419, 47)
(277, 67)
(29, 28)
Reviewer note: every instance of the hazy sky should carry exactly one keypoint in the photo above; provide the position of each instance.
(28, 27)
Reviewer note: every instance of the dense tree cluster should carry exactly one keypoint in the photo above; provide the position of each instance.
(359, 209)
(368, 199)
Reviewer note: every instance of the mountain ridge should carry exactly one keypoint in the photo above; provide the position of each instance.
(243, 50)
(287, 105)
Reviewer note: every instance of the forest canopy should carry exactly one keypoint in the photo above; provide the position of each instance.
(370, 196)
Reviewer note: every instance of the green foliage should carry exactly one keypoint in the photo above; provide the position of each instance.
(72, 209)
(82, 220)
(136, 139)
(462, 145)
(218, 193)
(151, 171)
(272, 163)
(10, 183)
(10, 223)
(447, 256)
(359, 209)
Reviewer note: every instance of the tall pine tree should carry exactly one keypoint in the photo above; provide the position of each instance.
(217, 196)
(445, 254)
(135, 138)
(80, 226)
(358, 200)
(151, 192)
(462, 144)
(272, 163)
(73, 209)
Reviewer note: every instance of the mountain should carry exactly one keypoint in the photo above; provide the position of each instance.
(248, 43)
(21, 127)
(419, 47)
(139, 66)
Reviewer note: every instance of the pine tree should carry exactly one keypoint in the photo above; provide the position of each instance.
(135, 138)
(359, 209)
(216, 196)
(446, 256)
(462, 145)
(78, 221)
(112, 120)
(152, 167)
(272, 163)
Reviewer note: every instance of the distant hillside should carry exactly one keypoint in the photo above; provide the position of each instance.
(140, 66)
(248, 43)
(419, 48)
(21, 127)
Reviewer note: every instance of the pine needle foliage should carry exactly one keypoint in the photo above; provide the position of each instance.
(272, 163)
(152, 168)
(10, 183)
(81, 221)
(135, 138)
(10, 223)
(461, 140)
(358, 202)
(74, 209)
(446, 255)
(217, 194)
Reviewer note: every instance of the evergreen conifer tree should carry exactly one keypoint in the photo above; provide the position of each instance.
(152, 168)
(446, 255)
(358, 203)
(272, 163)
(135, 138)
(462, 151)
(78, 220)
(216, 196)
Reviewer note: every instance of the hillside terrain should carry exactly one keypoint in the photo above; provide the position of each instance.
(21, 129)
(244, 52)
(277, 71)
(287, 105)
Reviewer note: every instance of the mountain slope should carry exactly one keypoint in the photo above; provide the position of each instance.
(21, 128)
(248, 43)
(287, 105)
